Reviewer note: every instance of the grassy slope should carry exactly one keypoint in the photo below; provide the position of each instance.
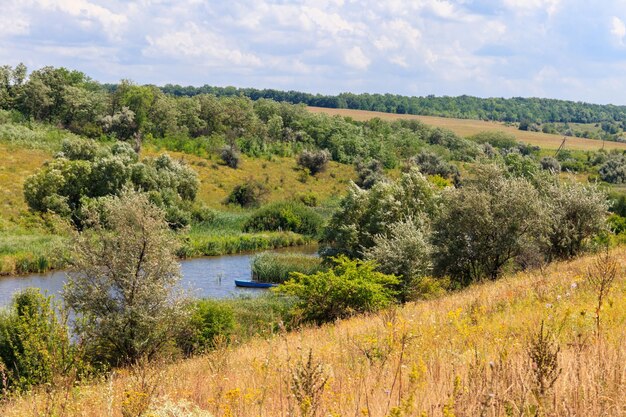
(467, 127)
(25, 246)
(460, 355)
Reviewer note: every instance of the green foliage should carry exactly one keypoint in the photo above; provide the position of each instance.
(529, 110)
(614, 169)
(276, 267)
(83, 172)
(230, 157)
(550, 164)
(314, 161)
(364, 214)
(122, 285)
(349, 287)
(209, 319)
(35, 344)
(369, 173)
(285, 216)
(577, 212)
(486, 223)
(430, 163)
(405, 251)
(249, 194)
(501, 140)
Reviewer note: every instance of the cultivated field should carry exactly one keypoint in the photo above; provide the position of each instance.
(468, 127)
(467, 354)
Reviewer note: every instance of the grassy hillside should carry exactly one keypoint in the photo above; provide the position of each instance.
(468, 127)
(467, 354)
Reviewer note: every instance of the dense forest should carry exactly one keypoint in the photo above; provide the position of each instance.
(517, 109)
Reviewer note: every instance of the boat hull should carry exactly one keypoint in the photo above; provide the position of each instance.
(252, 284)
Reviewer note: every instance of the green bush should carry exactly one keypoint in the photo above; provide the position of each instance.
(35, 345)
(209, 319)
(276, 267)
(500, 140)
(249, 194)
(350, 287)
(285, 216)
(314, 161)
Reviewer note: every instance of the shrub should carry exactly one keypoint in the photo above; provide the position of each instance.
(369, 173)
(79, 149)
(249, 194)
(208, 320)
(35, 344)
(123, 282)
(485, 224)
(614, 169)
(314, 161)
(350, 287)
(432, 164)
(285, 216)
(550, 164)
(405, 252)
(230, 157)
(365, 214)
(276, 267)
(309, 199)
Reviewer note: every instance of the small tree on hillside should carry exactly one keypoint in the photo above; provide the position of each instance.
(314, 161)
(123, 282)
(485, 224)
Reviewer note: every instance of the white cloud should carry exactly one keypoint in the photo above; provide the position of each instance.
(355, 58)
(399, 46)
(201, 45)
(618, 29)
(527, 6)
(87, 12)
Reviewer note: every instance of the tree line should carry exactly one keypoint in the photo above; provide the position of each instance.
(516, 109)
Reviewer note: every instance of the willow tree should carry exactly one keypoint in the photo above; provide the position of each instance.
(123, 284)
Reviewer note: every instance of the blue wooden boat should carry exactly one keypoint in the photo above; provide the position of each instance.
(253, 284)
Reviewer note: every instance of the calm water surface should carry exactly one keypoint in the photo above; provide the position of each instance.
(204, 277)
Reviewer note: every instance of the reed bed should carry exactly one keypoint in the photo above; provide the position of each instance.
(276, 267)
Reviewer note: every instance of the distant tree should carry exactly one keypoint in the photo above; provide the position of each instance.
(123, 283)
(614, 169)
(366, 214)
(485, 224)
(369, 173)
(314, 161)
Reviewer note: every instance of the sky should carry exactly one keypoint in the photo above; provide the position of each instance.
(567, 49)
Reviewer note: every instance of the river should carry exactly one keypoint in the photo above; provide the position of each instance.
(212, 277)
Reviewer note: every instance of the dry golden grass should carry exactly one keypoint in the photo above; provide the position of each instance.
(462, 355)
(16, 164)
(468, 127)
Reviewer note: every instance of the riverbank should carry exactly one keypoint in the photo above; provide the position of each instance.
(203, 277)
(27, 254)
